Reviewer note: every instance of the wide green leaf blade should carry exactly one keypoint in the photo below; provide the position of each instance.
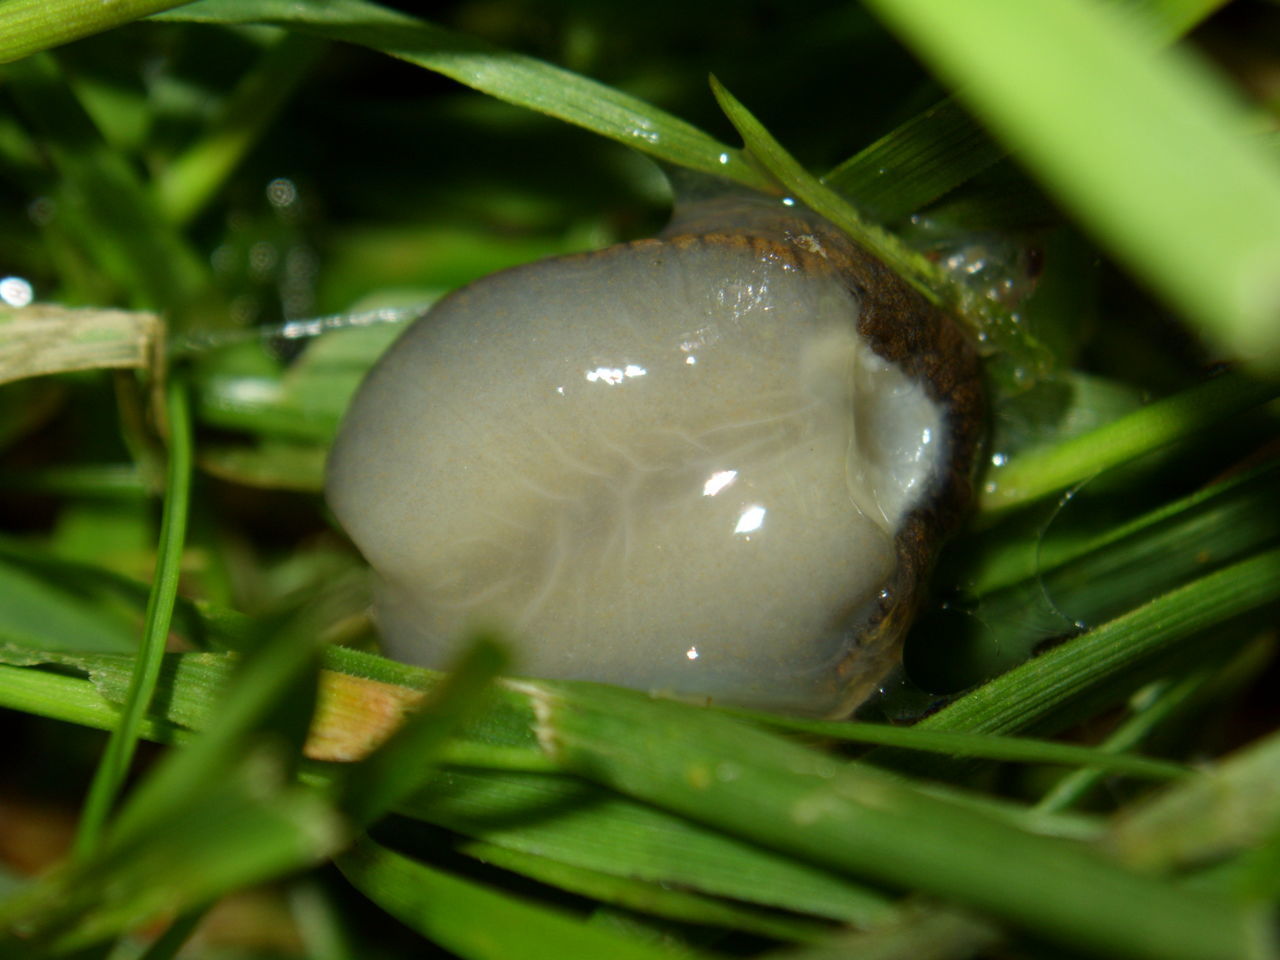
(1126, 138)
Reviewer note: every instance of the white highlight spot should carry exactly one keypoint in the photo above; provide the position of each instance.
(718, 481)
(615, 375)
(692, 653)
(691, 360)
(752, 519)
(16, 292)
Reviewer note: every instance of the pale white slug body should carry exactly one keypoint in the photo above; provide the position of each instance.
(676, 465)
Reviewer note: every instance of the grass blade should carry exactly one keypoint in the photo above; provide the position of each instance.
(1126, 140)
(1038, 473)
(29, 26)
(115, 762)
(932, 153)
(853, 818)
(473, 921)
(515, 78)
(1030, 693)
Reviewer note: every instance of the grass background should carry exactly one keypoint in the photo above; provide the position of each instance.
(235, 208)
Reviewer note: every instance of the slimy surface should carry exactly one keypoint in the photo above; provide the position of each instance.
(674, 465)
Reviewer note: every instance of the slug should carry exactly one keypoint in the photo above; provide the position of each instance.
(715, 464)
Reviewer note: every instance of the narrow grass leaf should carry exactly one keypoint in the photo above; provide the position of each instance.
(515, 78)
(853, 818)
(1008, 749)
(29, 26)
(1022, 358)
(1030, 693)
(1038, 473)
(1125, 139)
(473, 921)
(115, 762)
(652, 898)
(930, 281)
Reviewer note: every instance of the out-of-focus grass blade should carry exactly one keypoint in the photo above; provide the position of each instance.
(854, 818)
(1031, 692)
(244, 826)
(929, 155)
(476, 922)
(129, 239)
(115, 762)
(45, 338)
(42, 613)
(29, 26)
(515, 78)
(941, 148)
(1036, 473)
(398, 768)
(1126, 139)
(1235, 807)
(924, 934)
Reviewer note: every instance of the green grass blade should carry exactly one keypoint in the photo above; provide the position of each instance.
(29, 26)
(115, 762)
(1126, 139)
(473, 921)
(1038, 473)
(116, 216)
(853, 818)
(1028, 694)
(398, 768)
(989, 747)
(651, 898)
(929, 155)
(1023, 359)
(515, 78)
(917, 270)
(1234, 808)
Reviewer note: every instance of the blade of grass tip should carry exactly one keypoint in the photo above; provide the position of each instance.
(192, 179)
(913, 267)
(396, 770)
(512, 77)
(1146, 146)
(473, 921)
(856, 819)
(1031, 692)
(29, 26)
(115, 762)
(1037, 473)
